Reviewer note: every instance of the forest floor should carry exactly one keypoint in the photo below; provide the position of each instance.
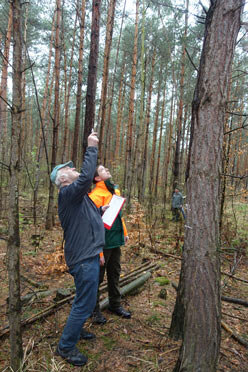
(139, 344)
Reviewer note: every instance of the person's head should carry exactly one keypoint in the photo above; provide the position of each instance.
(176, 190)
(101, 174)
(64, 174)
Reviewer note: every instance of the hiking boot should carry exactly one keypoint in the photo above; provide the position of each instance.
(121, 312)
(85, 335)
(98, 318)
(73, 356)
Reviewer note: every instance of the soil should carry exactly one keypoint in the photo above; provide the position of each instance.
(139, 344)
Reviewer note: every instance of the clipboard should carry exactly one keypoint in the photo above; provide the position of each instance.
(115, 205)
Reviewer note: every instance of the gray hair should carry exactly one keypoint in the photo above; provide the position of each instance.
(58, 177)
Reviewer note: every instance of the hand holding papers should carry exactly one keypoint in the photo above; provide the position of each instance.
(112, 212)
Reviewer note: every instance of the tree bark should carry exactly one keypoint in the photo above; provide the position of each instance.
(79, 86)
(176, 165)
(50, 209)
(199, 289)
(143, 163)
(68, 86)
(92, 73)
(105, 74)
(13, 252)
(3, 85)
(129, 142)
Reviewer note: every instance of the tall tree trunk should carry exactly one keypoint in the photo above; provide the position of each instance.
(92, 73)
(3, 85)
(198, 298)
(154, 141)
(16, 351)
(111, 90)
(42, 136)
(68, 87)
(168, 144)
(160, 145)
(79, 85)
(143, 164)
(119, 111)
(50, 209)
(176, 166)
(129, 143)
(225, 158)
(105, 74)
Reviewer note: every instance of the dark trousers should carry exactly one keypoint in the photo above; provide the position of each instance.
(176, 213)
(113, 268)
(85, 276)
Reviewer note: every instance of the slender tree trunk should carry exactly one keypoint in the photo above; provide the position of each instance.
(68, 89)
(129, 143)
(154, 141)
(119, 111)
(3, 85)
(159, 145)
(183, 146)
(16, 351)
(50, 209)
(79, 85)
(92, 73)
(198, 298)
(176, 166)
(142, 167)
(225, 158)
(43, 112)
(168, 145)
(111, 90)
(108, 42)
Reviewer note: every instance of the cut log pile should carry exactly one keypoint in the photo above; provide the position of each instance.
(134, 279)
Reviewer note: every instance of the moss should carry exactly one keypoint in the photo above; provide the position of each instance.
(162, 280)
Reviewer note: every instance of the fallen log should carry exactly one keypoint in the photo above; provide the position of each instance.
(235, 300)
(224, 298)
(234, 277)
(224, 325)
(33, 283)
(128, 288)
(234, 335)
(157, 251)
(49, 310)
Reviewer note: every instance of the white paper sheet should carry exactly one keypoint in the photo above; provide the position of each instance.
(111, 213)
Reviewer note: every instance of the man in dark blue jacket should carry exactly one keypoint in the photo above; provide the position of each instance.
(84, 240)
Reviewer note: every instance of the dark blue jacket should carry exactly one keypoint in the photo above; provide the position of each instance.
(80, 218)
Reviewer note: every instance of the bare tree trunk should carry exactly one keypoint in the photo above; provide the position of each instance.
(159, 145)
(176, 166)
(3, 85)
(119, 111)
(129, 143)
(154, 141)
(68, 87)
(105, 74)
(16, 351)
(183, 146)
(79, 85)
(143, 164)
(92, 73)
(225, 158)
(43, 112)
(111, 90)
(168, 145)
(198, 298)
(50, 209)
